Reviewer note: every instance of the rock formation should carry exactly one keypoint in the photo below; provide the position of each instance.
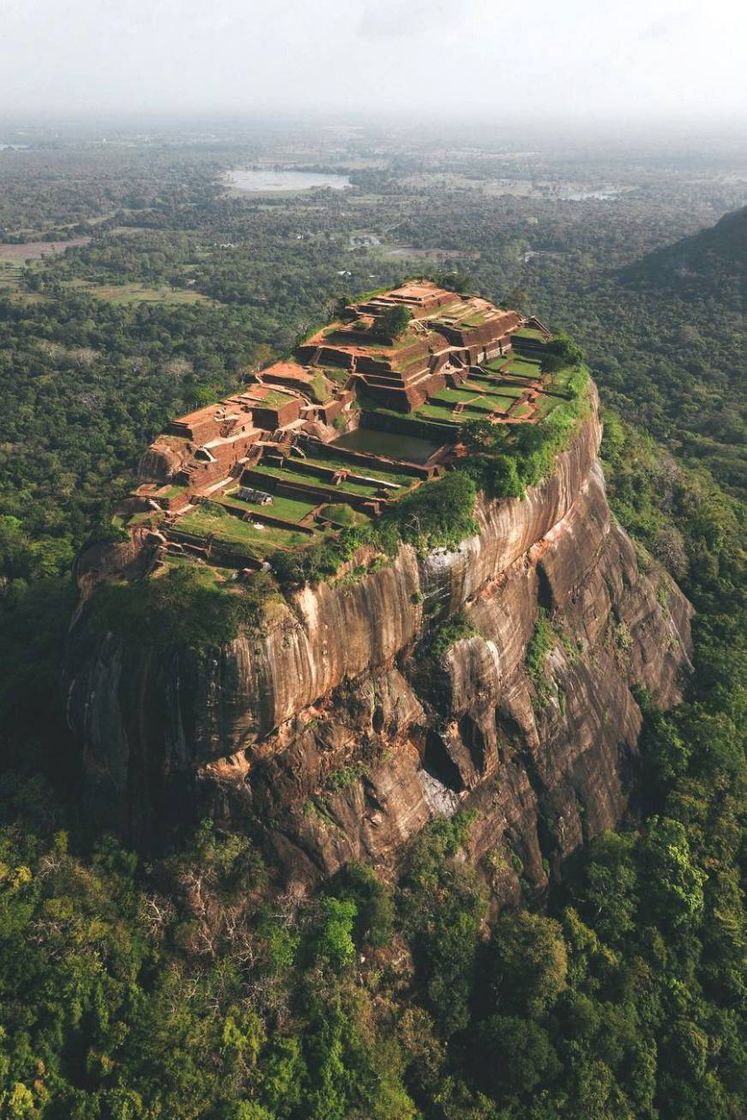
(337, 733)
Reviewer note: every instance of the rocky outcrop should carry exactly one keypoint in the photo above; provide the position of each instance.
(336, 734)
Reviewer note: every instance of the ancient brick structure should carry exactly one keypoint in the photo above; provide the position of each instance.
(313, 393)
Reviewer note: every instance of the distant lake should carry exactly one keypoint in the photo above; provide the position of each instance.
(268, 180)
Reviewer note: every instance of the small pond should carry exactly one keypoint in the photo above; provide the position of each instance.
(269, 180)
(411, 449)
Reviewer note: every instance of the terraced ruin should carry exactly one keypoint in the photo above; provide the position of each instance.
(364, 411)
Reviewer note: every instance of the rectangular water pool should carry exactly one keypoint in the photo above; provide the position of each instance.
(410, 449)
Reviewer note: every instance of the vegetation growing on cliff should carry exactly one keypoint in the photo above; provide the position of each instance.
(435, 515)
(504, 461)
(541, 642)
(439, 515)
(182, 609)
(454, 629)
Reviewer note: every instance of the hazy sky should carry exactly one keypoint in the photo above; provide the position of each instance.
(637, 58)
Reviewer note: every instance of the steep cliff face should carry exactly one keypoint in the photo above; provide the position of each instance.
(337, 734)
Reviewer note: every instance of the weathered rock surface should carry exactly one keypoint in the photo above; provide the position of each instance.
(335, 735)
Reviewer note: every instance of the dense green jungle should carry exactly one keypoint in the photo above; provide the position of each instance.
(191, 984)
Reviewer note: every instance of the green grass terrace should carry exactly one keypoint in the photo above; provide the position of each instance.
(213, 530)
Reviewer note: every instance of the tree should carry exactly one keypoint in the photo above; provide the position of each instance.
(515, 1056)
(334, 943)
(529, 963)
(454, 281)
(506, 482)
(373, 901)
(560, 352)
(393, 322)
(675, 885)
(609, 891)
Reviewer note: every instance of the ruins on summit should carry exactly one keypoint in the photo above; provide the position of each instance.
(363, 411)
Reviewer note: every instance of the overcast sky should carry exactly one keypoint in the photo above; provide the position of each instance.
(577, 58)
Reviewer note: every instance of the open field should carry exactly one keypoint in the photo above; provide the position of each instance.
(254, 539)
(175, 491)
(35, 250)
(10, 283)
(522, 366)
(10, 273)
(518, 379)
(292, 510)
(492, 402)
(521, 411)
(496, 363)
(446, 417)
(502, 389)
(360, 471)
(138, 293)
(284, 474)
(454, 396)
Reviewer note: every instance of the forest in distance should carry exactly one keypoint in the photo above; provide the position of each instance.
(186, 983)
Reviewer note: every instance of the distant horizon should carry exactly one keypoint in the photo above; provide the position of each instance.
(687, 130)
